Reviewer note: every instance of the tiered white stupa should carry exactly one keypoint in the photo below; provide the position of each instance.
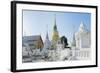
(82, 37)
(47, 42)
(47, 45)
(83, 43)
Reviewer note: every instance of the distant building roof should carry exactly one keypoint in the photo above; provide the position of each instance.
(36, 37)
(32, 38)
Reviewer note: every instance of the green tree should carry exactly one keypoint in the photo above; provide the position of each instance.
(64, 41)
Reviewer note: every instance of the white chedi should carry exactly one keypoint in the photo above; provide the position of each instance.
(82, 37)
(83, 43)
(47, 43)
(47, 46)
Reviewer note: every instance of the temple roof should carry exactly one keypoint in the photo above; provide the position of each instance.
(35, 37)
(32, 38)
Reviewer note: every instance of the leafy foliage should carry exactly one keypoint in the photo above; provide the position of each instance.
(64, 41)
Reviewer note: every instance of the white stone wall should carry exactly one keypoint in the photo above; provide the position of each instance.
(82, 54)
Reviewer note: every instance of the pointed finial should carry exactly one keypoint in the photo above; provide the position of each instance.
(82, 27)
(54, 19)
(55, 26)
(47, 33)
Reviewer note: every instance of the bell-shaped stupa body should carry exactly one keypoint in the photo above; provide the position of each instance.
(82, 37)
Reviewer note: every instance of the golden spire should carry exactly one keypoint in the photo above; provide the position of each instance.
(55, 36)
(47, 37)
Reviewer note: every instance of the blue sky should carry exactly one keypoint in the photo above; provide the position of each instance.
(36, 23)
